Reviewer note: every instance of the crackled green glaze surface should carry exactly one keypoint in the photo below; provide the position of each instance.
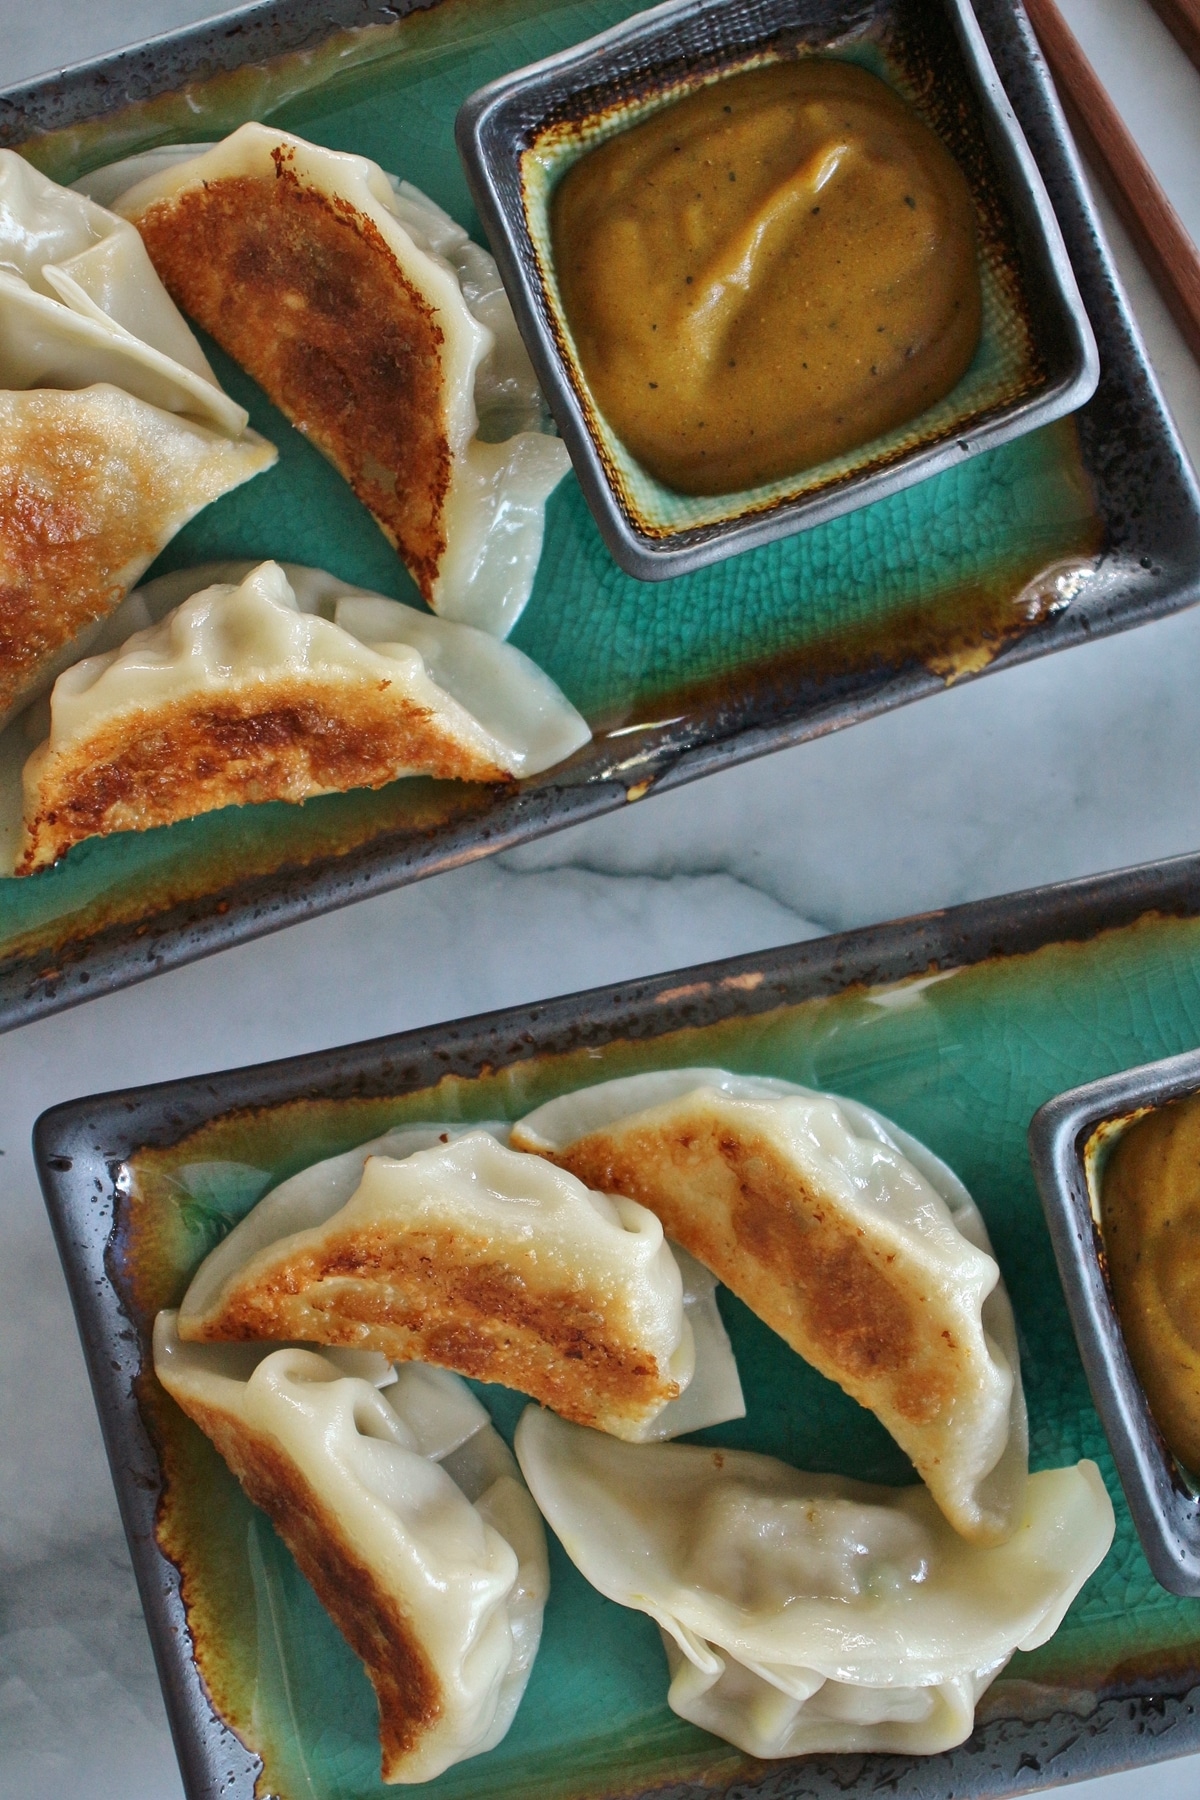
(940, 576)
(962, 1060)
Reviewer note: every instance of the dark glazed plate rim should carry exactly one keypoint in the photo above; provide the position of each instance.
(1146, 497)
(1165, 1509)
(491, 132)
(80, 1148)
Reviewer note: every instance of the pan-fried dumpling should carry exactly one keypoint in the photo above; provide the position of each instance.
(93, 484)
(113, 431)
(850, 1239)
(310, 1200)
(809, 1613)
(238, 696)
(405, 1511)
(475, 1258)
(383, 334)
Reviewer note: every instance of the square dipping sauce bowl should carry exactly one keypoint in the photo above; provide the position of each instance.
(1036, 358)
(1070, 1140)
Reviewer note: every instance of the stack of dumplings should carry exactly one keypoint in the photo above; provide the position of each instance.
(809, 1612)
(799, 1612)
(466, 1254)
(113, 429)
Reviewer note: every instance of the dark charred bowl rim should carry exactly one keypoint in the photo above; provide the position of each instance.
(1161, 1496)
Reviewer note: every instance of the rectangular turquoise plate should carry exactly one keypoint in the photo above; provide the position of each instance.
(958, 1026)
(1084, 527)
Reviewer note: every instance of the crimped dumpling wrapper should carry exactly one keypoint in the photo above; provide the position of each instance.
(93, 484)
(113, 430)
(473, 1257)
(238, 696)
(80, 303)
(850, 1239)
(376, 326)
(405, 1511)
(310, 1200)
(809, 1612)
(515, 700)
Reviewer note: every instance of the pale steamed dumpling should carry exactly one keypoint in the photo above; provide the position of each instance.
(238, 695)
(469, 1255)
(850, 1239)
(80, 303)
(382, 332)
(807, 1613)
(405, 1511)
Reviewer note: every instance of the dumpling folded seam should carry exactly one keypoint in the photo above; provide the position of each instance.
(113, 430)
(381, 332)
(851, 1240)
(439, 1244)
(407, 1514)
(807, 1612)
(239, 696)
(80, 302)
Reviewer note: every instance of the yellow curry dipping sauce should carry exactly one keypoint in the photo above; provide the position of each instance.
(1150, 1214)
(769, 272)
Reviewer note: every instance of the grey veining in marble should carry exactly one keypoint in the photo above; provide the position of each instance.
(1077, 763)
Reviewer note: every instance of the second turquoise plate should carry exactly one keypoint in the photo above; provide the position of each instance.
(956, 1025)
(1083, 527)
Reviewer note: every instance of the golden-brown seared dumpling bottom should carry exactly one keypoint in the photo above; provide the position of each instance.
(287, 740)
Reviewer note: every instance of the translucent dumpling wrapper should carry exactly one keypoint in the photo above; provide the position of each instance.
(381, 332)
(405, 1511)
(807, 1613)
(113, 430)
(468, 1255)
(849, 1238)
(239, 696)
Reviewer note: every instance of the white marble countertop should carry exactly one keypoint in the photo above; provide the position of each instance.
(1078, 763)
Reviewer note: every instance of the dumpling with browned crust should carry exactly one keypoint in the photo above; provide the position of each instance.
(471, 1256)
(238, 695)
(382, 333)
(847, 1236)
(113, 429)
(405, 1510)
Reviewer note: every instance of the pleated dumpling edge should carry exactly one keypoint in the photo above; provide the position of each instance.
(369, 318)
(809, 1613)
(851, 1240)
(239, 695)
(408, 1516)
